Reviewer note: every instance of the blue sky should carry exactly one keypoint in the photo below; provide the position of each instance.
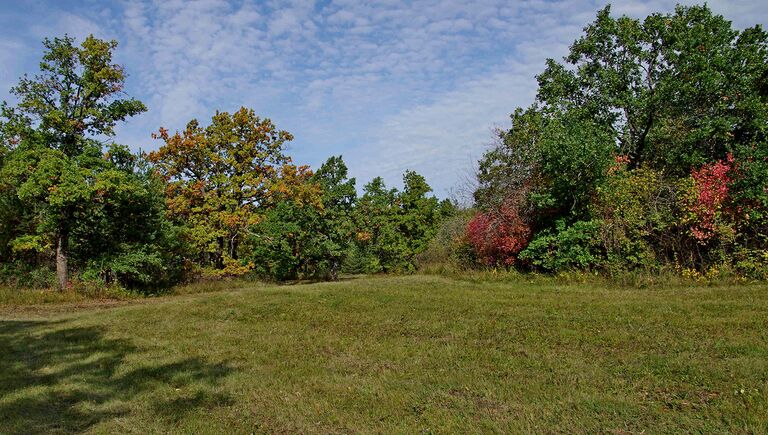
(391, 85)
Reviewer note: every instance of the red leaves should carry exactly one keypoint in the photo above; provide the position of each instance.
(710, 196)
(498, 237)
(620, 163)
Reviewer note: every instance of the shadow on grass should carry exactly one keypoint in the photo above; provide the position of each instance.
(60, 379)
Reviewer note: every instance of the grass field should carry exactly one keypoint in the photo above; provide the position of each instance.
(392, 354)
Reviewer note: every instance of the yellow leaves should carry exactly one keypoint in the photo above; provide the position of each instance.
(231, 268)
(232, 220)
(222, 178)
(294, 183)
(34, 243)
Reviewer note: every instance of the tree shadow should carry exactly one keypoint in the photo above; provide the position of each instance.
(56, 378)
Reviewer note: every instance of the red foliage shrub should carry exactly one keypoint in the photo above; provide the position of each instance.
(709, 198)
(497, 237)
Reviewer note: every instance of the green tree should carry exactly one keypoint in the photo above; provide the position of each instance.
(420, 214)
(335, 230)
(53, 135)
(378, 236)
(670, 94)
(281, 242)
(125, 236)
(392, 226)
(676, 90)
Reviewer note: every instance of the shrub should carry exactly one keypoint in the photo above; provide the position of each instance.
(708, 213)
(24, 275)
(498, 236)
(566, 247)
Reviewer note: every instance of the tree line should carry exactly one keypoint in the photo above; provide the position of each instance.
(215, 200)
(645, 149)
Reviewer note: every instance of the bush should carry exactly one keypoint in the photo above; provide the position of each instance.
(497, 236)
(566, 247)
(24, 275)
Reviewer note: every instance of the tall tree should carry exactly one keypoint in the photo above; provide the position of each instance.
(420, 213)
(378, 236)
(222, 178)
(308, 239)
(677, 90)
(76, 99)
(336, 227)
(679, 96)
(393, 226)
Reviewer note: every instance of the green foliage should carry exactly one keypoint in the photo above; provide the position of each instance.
(376, 218)
(52, 165)
(393, 227)
(420, 213)
(360, 261)
(217, 200)
(279, 240)
(22, 274)
(334, 229)
(677, 90)
(116, 227)
(298, 240)
(512, 163)
(566, 247)
(75, 96)
(125, 236)
(573, 157)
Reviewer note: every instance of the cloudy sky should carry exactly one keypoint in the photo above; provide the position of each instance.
(391, 85)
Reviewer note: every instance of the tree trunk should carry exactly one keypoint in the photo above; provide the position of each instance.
(334, 270)
(234, 243)
(61, 261)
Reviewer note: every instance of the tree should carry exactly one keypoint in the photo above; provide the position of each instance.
(676, 90)
(53, 133)
(336, 228)
(420, 213)
(512, 163)
(222, 178)
(378, 235)
(125, 237)
(393, 227)
(282, 243)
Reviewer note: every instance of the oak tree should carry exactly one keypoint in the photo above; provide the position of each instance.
(54, 135)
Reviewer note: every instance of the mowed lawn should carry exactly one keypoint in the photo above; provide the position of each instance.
(415, 354)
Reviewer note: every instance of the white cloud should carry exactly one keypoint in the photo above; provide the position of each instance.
(391, 84)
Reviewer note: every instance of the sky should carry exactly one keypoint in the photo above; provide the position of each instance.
(391, 85)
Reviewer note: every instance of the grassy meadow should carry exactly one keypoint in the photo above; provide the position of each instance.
(413, 354)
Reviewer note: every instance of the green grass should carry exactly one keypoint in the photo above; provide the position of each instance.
(393, 354)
